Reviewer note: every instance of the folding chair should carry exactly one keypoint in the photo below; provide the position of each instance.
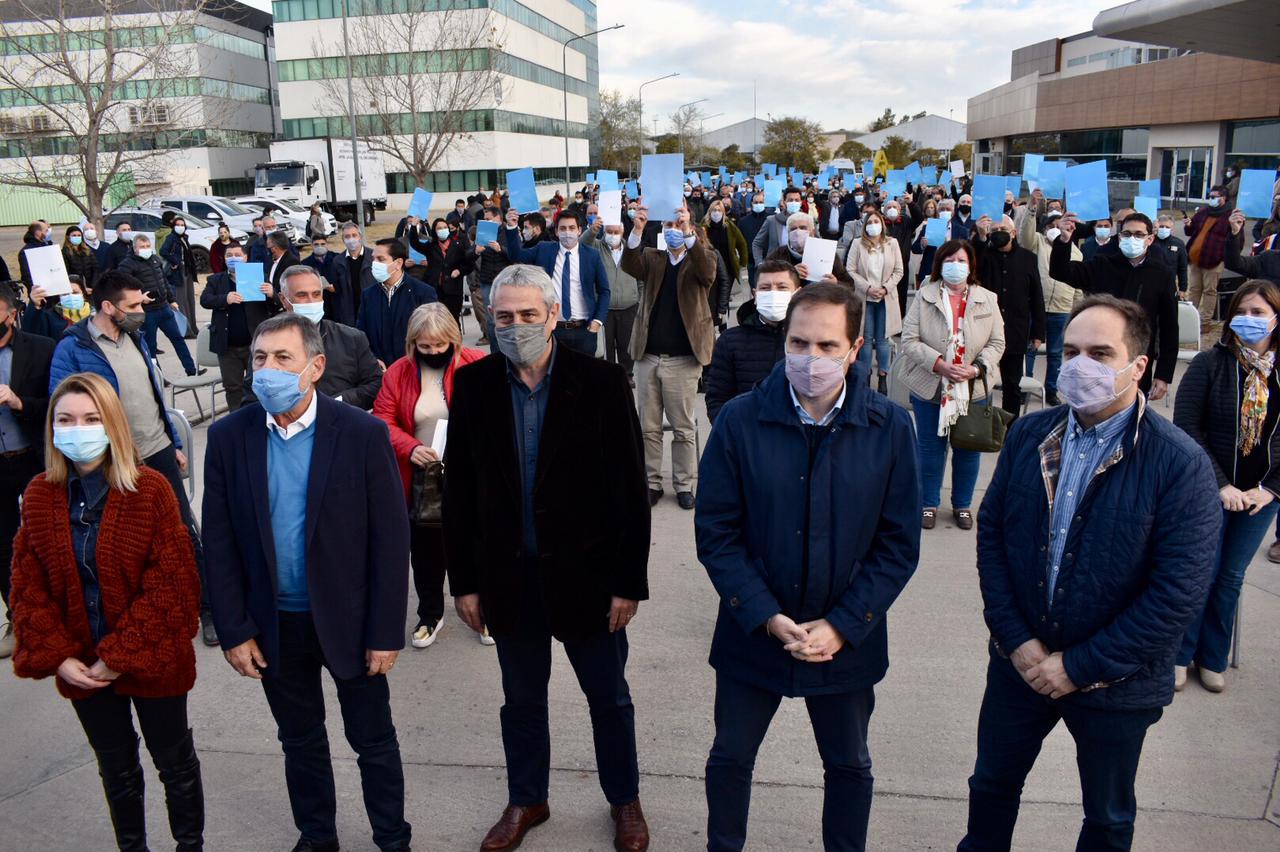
(193, 384)
(185, 433)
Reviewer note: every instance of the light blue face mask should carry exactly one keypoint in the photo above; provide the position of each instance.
(1251, 329)
(72, 301)
(313, 311)
(277, 390)
(81, 443)
(381, 272)
(792, 207)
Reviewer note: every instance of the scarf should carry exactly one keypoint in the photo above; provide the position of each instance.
(75, 316)
(955, 396)
(1253, 409)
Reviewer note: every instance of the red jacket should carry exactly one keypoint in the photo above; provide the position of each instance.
(401, 387)
(147, 578)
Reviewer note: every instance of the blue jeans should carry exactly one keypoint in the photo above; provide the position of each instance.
(1055, 325)
(1012, 725)
(873, 334)
(742, 716)
(164, 320)
(1207, 641)
(933, 459)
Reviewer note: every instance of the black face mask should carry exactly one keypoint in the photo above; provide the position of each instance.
(437, 361)
(1000, 239)
(965, 209)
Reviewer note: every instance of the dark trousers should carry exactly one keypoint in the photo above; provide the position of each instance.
(600, 664)
(742, 716)
(1011, 365)
(15, 472)
(453, 303)
(164, 320)
(426, 555)
(293, 690)
(236, 367)
(578, 339)
(165, 463)
(108, 722)
(1012, 725)
(617, 337)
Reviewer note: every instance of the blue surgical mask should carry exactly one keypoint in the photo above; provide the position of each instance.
(72, 301)
(277, 390)
(758, 207)
(1251, 329)
(955, 272)
(674, 238)
(591, 219)
(313, 311)
(81, 443)
(442, 234)
(1215, 202)
(1102, 233)
(1133, 247)
(631, 213)
(793, 207)
(75, 241)
(1163, 233)
(380, 271)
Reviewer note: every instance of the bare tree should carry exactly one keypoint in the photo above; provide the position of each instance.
(619, 123)
(105, 79)
(418, 78)
(685, 122)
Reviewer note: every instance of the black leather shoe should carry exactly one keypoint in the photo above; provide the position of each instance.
(655, 494)
(1051, 398)
(208, 634)
(685, 499)
(305, 845)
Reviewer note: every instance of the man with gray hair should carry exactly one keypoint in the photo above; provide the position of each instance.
(352, 274)
(294, 592)
(574, 567)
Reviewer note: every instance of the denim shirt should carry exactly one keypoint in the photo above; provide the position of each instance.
(86, 497)
(529, 409)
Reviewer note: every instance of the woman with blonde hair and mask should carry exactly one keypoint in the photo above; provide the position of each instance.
(875, 264)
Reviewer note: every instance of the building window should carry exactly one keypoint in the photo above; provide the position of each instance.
(473, 121)
(1077, 61)
(1254, 144)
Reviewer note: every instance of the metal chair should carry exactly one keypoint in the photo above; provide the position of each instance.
(1188, 331)
(185, 433)
(193, 384)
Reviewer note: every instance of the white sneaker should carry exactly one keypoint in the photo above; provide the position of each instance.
(6, 641)
(1179, 678)
(426, 634)
(485, 638)
(1213, 681)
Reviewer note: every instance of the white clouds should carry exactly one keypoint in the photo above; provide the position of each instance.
(838, 62)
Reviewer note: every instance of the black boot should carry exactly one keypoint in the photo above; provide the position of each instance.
(179, 769)
(122, 782)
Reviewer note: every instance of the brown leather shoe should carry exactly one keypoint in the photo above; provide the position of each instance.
(513, 825)
(633, 831)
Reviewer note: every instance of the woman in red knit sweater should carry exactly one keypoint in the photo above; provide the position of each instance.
(414, 397)
(106, 598)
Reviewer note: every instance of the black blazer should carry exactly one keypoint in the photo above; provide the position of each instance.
(214, 297)
(1014, 277)
(348, 292)
(29, 381)
(357, 535)
(441, 264)
(289, 258)
(590, 500)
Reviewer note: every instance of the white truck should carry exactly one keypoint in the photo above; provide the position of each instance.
(305, 171)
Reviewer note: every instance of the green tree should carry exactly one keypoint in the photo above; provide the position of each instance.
(962, 152)
(898, 151)
(854, 150)
(794, 142)
(886, 120)
(667, 143)
(618, 123)
(732, 159)
(929, 157)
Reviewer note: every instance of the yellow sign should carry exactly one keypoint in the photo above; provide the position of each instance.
(881, 163)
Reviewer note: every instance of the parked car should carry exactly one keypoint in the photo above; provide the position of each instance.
(285, 210)
(200, 233)
(216, 209)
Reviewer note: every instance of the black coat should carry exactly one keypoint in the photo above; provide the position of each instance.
(593, 531)
(29, 381)
(440, 265)
(347, 291)
(1148, 284)
(150, 274)
(350, 370)
(82, 263)
(1014, 277)
(289, 258)
(1262, 265)
(214, 297)
(743, 356)
(118, 251)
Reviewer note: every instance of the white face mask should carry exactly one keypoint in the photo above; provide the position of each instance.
(873, 229)
(613, 240)
(1052, 234)
(772, 304)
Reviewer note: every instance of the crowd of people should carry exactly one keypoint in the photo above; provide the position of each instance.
(1111, 544)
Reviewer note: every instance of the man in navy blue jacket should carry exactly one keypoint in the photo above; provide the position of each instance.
(805, 580)
(578, 274)
(1096, 547)
(309, 568)
(386, 306)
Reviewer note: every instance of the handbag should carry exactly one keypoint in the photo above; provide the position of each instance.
(426, 495)
(983, 428)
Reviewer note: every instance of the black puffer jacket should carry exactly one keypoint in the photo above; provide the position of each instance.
(150, 274)
(743, 356)
(82, 263)
(1208, 409)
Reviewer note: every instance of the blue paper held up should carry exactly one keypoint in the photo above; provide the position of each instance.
(1255, 197)
(1148, 206)
(522, 192)
(822, 181)
(773, 192)
(591, 177)
(663, 178)
(608, 180)
(944, 179)
(1087, 191)
(249, 277)
(420, 204)
(416, 256)
(770, 169)
(988, 196)
(1052, 178)
(1031, 166)
(1149, 188)
(935, 231)
(913, 173)
(895, 182)
(633, 189)
(1013, 183)
(706, 178)
(181, 319)
(928, 175)
(486, 232)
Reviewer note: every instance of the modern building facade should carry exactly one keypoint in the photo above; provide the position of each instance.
(209, 112)
(748, 135)
(1152, 110)
(520, 124)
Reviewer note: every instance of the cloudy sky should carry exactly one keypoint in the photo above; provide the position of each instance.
(837, 62)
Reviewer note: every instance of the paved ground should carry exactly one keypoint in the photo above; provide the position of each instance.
(1208, 778)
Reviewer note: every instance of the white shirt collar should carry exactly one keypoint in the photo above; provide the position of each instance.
(298, 426)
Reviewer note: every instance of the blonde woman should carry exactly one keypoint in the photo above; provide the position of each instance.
(875, 264)
(106, 600)
(414, 397)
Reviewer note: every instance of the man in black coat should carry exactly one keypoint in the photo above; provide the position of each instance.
(1013, 274)
(233, 325)
(523, 426)
(746, 353)
(24, 399)
(1133, 276)
(1265, 264)
(282, 257)
(352, 275)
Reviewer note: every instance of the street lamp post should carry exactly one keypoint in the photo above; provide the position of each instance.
(351, 117)
(640, 121)
(702, 130)
(564, 85)
(681, 129)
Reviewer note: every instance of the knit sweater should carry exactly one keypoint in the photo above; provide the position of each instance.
(148, 581)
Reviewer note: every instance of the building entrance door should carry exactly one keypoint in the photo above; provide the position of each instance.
(1186, 173)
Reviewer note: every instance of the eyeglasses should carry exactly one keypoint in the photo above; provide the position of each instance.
(1131, 234)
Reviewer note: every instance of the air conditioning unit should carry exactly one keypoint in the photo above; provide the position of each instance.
(148, 116)
(41, 122)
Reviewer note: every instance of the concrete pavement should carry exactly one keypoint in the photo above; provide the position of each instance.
(1208, 778)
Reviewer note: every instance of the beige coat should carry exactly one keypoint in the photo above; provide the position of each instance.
(693, 284)
(1059, 296)
(925, 333)
(890, 274)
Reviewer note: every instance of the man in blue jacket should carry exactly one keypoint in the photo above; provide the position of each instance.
(578, 274)
(309, 569)
(805, 580)
(1096, 546)
(386, 306)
